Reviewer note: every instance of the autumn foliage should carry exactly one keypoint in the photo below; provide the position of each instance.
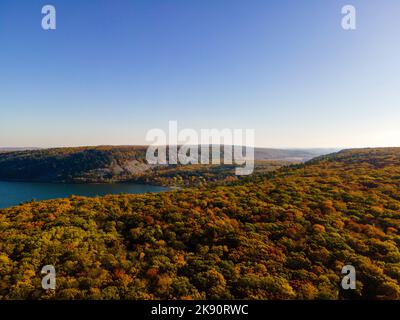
(284, 235)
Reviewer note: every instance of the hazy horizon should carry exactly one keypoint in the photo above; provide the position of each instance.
(145, 145)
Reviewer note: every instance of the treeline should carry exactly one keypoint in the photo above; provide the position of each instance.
(204, 175)
(284, 235)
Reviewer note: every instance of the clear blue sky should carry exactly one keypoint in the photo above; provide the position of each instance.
(114, 69)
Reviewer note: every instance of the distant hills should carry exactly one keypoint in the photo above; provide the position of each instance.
(121, 163)
(5, 149)
(293, 155)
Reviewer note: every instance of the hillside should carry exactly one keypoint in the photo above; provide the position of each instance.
(285, 235)
(124, 163)
(82, 164)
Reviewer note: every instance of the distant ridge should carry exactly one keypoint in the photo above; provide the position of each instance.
(287, 154)
(291, 155)
(13, 149)
(107, 163)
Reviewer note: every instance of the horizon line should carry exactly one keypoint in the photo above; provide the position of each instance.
(144, 145)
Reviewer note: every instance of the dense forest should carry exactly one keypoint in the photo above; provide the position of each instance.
(82, 164)
(285, 234)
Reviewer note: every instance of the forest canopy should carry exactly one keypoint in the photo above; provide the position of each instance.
(280, 235)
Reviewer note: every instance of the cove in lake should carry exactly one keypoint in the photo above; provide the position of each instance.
(14, 193)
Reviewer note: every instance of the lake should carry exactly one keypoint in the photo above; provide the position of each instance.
(13, 193)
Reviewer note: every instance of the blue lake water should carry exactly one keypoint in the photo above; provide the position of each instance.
(14, 193)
